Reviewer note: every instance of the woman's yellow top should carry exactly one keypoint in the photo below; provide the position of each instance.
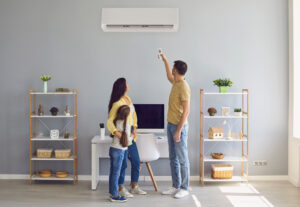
(131, 119)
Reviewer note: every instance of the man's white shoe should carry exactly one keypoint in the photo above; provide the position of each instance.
(124, 192)
(137, 190)
(181, 193)
(170, 191)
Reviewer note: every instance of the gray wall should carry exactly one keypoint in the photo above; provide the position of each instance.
(244, 40)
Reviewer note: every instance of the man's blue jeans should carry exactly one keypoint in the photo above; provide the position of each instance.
(117, 169)
(179, 160)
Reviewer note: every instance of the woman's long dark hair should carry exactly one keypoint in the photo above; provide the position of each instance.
(118, 90)
(122, 115)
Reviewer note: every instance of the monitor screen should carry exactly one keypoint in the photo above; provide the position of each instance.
(150, 116)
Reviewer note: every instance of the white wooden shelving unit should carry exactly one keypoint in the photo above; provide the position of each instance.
(244, 141)
(33, 117)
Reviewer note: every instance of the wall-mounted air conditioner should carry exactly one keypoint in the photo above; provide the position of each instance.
(140, 19)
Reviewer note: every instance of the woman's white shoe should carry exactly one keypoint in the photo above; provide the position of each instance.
(170, 191)
(124, 192)
(137, 190)
(181, 193)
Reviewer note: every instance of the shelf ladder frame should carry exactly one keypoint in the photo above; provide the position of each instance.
(33, 131)
(245, 120)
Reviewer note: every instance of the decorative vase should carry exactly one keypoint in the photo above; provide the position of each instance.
(45, 90)
(223, 89)
(211, 113)
(229, 133)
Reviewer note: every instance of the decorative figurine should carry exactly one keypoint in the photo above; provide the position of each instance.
(54, 134)
(212, 111)
(225, 111)
(41, 110)
(216, 132)
(54, 111)
(67, 111)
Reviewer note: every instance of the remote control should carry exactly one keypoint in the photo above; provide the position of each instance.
(159, 53)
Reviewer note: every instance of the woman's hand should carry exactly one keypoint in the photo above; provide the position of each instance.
(133, 134)
(118, 134)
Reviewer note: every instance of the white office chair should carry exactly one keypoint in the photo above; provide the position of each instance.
(146, 144)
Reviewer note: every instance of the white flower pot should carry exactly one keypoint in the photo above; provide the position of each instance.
(238, 113)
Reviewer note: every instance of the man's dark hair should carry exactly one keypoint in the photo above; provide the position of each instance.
(180, 66)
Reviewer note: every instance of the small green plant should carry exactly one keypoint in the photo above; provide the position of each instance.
(45, 77)
(223, 82)
(66, 135)
(237, 110)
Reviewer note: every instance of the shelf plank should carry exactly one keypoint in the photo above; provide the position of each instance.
(226, 159)
(225, 117)
(52, 93)
(234, 179)
(53, 158)
(50, 116)
(49, 139)
(228, 93)
(226, 139)
(37, 177)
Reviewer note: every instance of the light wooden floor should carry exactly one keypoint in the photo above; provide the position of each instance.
(257, 194)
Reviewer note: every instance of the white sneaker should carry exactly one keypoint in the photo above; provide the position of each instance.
(170, 191)
(137, 190)
(124, 192)
(181, 193)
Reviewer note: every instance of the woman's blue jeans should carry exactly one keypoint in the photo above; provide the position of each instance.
(134, 158)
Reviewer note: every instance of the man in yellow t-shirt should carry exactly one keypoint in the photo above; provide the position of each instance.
(178, 111)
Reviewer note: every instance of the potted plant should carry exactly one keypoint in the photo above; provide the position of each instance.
(45, 79)
(238, 112)
(66, 135)
(212, 111)
(223, 84)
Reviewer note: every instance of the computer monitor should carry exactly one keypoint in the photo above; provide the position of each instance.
(151, 118)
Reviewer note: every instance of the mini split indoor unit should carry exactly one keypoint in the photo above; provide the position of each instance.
(140, 19)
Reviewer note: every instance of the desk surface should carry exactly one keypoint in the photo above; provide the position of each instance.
(107, 140)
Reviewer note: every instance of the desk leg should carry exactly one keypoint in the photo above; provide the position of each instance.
(95, 167)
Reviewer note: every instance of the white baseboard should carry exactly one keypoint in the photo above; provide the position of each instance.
(147, 178)
(294, 181)
(13, 177)
(268, 178)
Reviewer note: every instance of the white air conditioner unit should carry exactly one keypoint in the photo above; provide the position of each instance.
(140, 19)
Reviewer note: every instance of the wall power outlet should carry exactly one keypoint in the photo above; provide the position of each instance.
(259, 163)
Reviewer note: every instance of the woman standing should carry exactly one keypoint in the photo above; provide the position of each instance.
(118, 98)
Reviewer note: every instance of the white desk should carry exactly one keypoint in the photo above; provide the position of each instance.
(100, 149)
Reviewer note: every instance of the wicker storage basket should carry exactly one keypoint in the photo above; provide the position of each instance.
(61, 174)
(45, 173)
(221, 171)
(217, 156)
(62, 153)
(44, 153)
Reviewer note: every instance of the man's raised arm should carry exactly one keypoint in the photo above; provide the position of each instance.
(168, 68)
